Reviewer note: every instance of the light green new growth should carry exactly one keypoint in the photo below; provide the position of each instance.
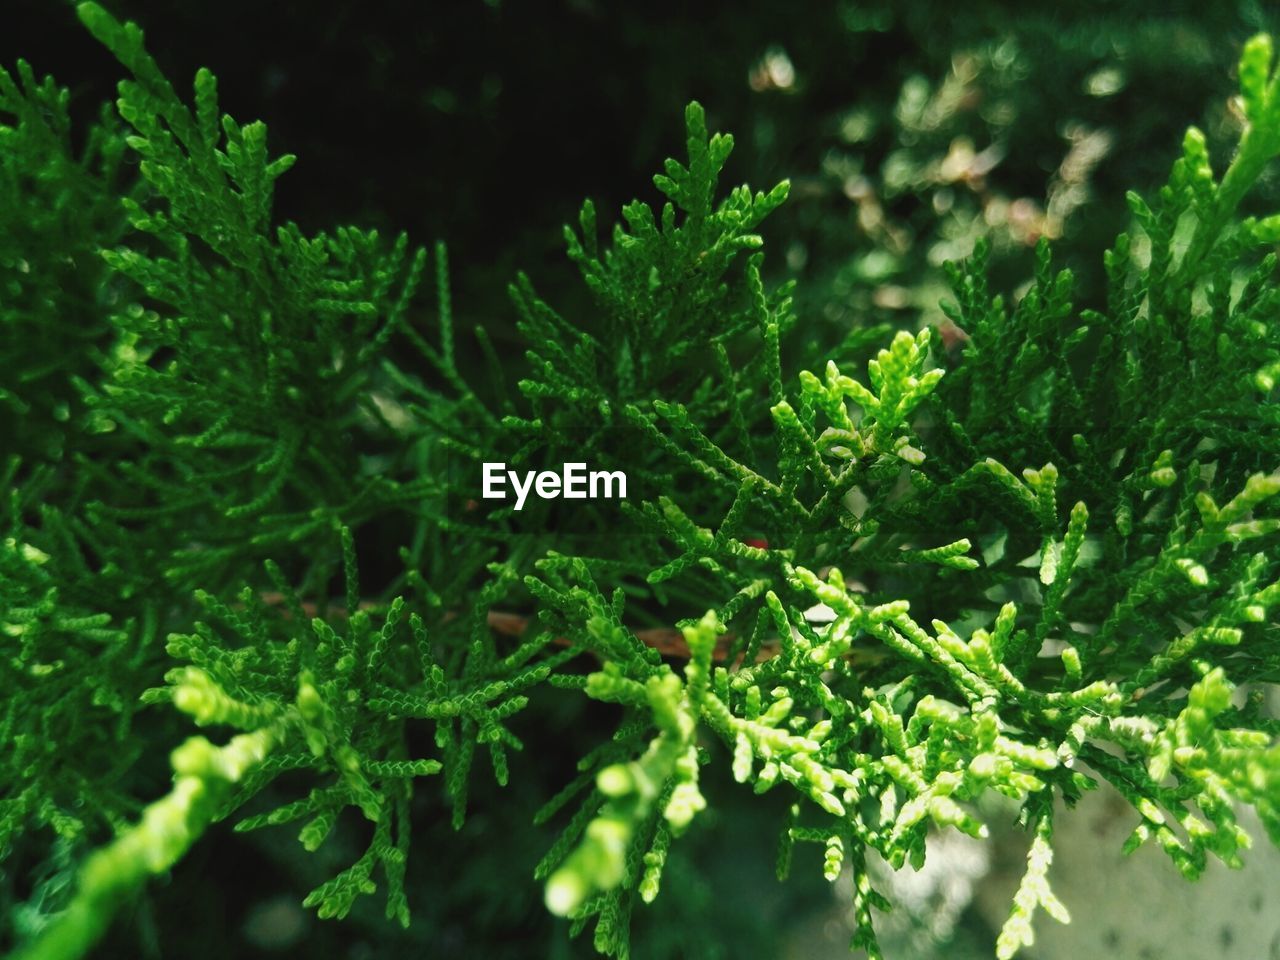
(203, 776)
(667, 772)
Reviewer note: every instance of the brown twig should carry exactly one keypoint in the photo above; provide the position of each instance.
(668, 641)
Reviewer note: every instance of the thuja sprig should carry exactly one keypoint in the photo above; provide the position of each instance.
(932, 718)
(69, 705)
(1033, 892)
(61, 205)
(668, 769)
(289, 683)
(203, 776)
(972, 574)
(248, 349)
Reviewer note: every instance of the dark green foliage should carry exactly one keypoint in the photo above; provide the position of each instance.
(248, 370)
(1021, 566)
(60, 206)
(66, 718)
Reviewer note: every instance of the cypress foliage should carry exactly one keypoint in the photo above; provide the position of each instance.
(1038, 561)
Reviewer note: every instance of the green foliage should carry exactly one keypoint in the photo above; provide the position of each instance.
(67, 714)
(1041, 561)
(60, 205)
(247, 370)
(168, 827)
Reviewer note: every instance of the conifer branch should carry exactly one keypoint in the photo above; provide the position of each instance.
(906, 581)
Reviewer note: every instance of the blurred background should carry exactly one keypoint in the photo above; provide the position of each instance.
(908, 130)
